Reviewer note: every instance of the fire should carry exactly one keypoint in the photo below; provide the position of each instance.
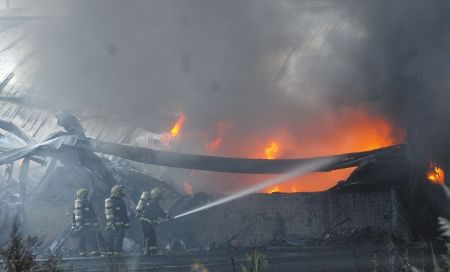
(351, 131)
(168, 136)
(348, 130)
(436, 174)
(178, 125)
(274, 190)
(272, 150)
(313, 182)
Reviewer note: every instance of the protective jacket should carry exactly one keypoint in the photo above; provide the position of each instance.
(84, 223)
(116, 212)
(150, 214)
(149, 211)
(116, 223)
(84, 214)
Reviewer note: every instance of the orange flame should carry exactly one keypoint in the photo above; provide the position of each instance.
(436, 174)
(356, 131)
(351, 129)
(178, 125)
(274, 190)
(272, 150)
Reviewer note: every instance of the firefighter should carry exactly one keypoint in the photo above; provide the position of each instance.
(150, 214)
(116, 220)
(85, 224)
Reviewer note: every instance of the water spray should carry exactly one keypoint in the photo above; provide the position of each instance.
(299, 171)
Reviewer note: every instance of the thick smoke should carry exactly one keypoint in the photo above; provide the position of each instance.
(144, 60)
(259, 64)
(405, 58)
(405, 67)
(255, 65)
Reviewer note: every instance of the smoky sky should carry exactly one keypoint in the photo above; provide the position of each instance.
(406, 68)
(405, 57)
(260, 64)
(142, 60)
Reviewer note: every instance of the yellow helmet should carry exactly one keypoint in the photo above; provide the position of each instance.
(117, 190)
(82, 193)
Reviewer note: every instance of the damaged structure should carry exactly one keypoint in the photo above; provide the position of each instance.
(373, 197)
(47, 155)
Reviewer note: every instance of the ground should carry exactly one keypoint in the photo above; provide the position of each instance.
(349, 258)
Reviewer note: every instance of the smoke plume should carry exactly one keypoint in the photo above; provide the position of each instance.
(249, 68)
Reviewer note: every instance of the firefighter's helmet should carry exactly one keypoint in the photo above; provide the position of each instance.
(82, 193)
(155, 193)
(117, 190)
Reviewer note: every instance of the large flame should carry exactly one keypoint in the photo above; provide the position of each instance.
(351, 130)
(358, 131)
(436, 174)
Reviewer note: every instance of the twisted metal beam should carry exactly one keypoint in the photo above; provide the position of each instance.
(194, 161)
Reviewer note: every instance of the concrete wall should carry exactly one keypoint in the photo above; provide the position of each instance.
(254, 220)
(260, 218)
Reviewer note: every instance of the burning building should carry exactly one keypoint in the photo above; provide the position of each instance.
(370, 99)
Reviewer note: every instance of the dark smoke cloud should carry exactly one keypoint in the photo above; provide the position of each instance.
(405, 56)
(142, 60)
(260, 64)
(405, 66)
(215, 60)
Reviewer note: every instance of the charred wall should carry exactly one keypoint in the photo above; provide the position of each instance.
(261, 218)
